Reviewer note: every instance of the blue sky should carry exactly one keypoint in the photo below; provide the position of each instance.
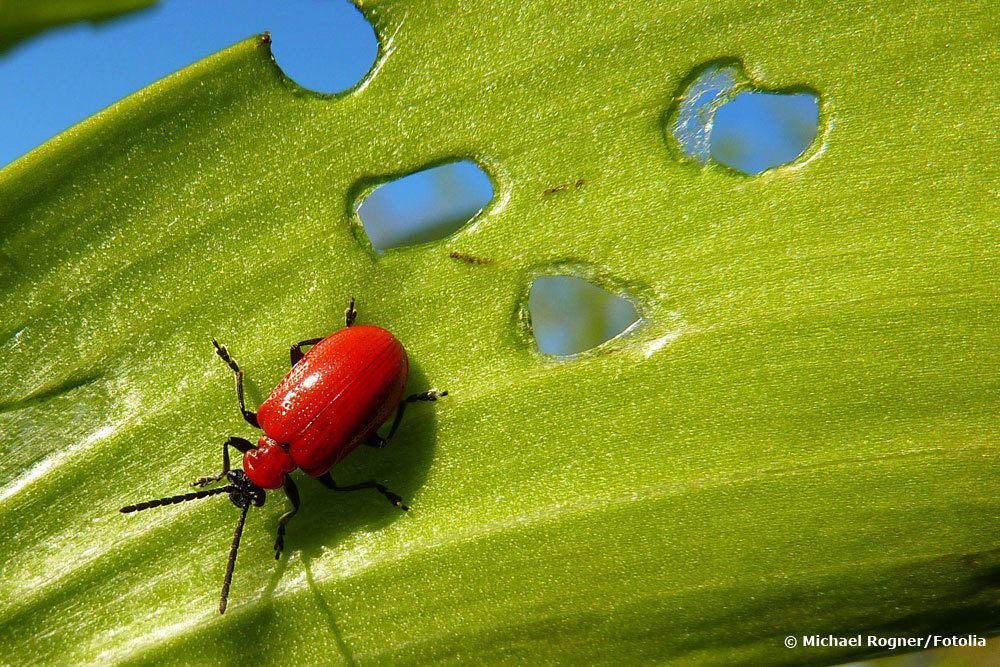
(63, 76)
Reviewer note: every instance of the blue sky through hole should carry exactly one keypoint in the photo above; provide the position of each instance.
(570, 315)
(758, 131)
(424, 206)
(751, 131)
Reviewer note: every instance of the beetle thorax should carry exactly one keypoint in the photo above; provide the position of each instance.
(267, 465)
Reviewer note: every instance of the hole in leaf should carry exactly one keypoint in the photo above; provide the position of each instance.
(718, 119)
(570, 315)
(325, 46)
(758, 131)
(695, 112)
(425, 206)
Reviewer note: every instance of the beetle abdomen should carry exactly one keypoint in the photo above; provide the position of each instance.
(344, 388)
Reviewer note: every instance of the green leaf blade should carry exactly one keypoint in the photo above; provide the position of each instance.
(812, 389)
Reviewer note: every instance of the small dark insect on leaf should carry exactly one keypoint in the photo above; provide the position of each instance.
(469, 259)
(564, 186)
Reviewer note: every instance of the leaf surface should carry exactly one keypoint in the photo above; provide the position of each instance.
(799, 437)
(20, 19)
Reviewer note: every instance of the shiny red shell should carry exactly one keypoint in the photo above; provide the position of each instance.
(333, 399)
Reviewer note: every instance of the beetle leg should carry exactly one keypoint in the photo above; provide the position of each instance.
(375, 440)
(292, 492)
(296, 353)
(240, 444)
(223, 353)
(328, 482)
(350, 314)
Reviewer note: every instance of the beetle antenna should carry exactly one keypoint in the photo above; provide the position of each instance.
(224, 600)
(194, 495)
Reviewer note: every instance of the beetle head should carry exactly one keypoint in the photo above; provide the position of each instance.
(244, 492)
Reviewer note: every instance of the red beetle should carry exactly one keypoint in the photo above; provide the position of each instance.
(334, 399)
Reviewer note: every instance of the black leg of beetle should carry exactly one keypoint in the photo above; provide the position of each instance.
(224, 599)
(223, 353)
(375, 440)
(328, 482)
(243, 446)
(293, 495)
(350, 314)
(296, 353)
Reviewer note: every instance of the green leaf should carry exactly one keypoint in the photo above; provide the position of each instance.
(800, 436)
(20, 19)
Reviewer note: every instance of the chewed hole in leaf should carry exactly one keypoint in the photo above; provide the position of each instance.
(696, 108)
(570, 315)
(758, 131)
(425, 206)
(717, 119)
(339, 52)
